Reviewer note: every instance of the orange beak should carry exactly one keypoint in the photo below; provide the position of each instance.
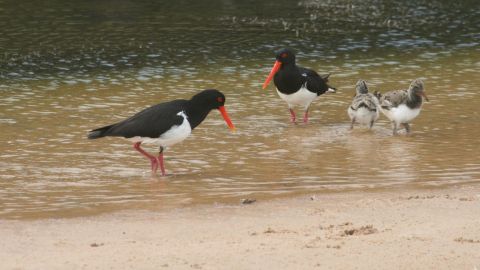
(274, 70)
(227, 119)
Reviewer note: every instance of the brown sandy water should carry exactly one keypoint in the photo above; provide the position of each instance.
(68, 69)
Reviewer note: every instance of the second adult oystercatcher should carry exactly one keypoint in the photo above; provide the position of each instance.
(296, 85)
(402, 106)
(166, 123)
(364, 108)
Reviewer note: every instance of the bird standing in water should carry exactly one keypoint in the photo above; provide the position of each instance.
(364, 108)
(296, 85)
(166, 123)
(402, 106)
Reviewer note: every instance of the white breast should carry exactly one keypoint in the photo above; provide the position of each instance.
(362, 115)
(172, 136)
(401, 114)
(302, 97)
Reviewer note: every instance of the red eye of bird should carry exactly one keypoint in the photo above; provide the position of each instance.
(284, 55)
(220, 99)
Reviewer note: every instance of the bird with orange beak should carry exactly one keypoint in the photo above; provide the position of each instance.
(166, 123)
(296, 85)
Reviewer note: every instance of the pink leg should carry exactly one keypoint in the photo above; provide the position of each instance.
(292, 115)
(305, 117)
(160, 161)
(153, 160)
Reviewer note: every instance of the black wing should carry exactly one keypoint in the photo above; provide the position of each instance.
(314, 82)
(151, 122)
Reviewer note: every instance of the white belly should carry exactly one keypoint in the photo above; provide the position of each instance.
(401, 114)
(172, 136)
(302, 97)
(363, 116)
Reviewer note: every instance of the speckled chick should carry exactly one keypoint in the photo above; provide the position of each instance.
(364, 108)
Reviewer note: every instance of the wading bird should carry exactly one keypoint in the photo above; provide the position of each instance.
(166, 123)
(402, 106)
(364, 108)
(296, 85)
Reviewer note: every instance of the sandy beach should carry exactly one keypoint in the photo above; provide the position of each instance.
(397, 229)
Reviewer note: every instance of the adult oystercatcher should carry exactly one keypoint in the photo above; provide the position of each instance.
(402, 106)
(296, 85)
(166, 123)
(364, 108)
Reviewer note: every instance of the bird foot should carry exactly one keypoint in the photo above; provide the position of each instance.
(293, 118)
(154, 164)
(305, 117)
(160, 163)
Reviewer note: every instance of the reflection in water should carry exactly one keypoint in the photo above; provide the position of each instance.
(70, 67)
(399, 161)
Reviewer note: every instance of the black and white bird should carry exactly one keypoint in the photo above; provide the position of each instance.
(364, 108)
(296, 85)
(402, 106)
(166, 123)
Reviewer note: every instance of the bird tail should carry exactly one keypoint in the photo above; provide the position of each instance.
(99, 132)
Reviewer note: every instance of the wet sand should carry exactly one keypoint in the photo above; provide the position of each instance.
(395, 229)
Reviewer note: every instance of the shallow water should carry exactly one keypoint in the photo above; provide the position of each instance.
(68, 68)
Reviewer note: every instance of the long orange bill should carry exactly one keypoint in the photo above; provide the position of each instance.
(274, 70)
(227, 119)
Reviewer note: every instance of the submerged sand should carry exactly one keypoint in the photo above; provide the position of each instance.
(400, 229)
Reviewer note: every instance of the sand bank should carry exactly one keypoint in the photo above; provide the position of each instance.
(399, 229)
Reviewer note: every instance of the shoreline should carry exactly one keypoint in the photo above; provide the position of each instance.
(437, 228)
